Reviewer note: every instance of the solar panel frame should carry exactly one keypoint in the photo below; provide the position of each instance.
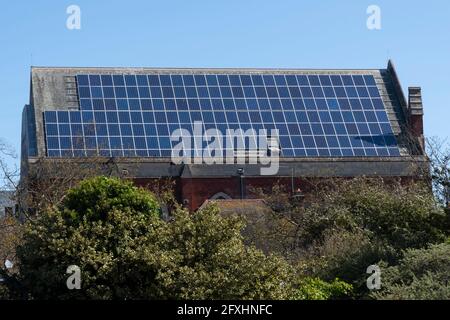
(143, 109)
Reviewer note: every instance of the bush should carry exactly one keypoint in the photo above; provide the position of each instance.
(205, 258)
(4, 292)
(317, 289)
(400, 215)
(403, 216)
(94, 199)
(347, 255)
(345, 226)
(99, 222)
(112, 232)
(422, 274)
(10, 237)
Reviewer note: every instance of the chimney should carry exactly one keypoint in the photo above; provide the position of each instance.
(415, 115)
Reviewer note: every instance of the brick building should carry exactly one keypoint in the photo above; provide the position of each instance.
(331, 123)
(7, 203)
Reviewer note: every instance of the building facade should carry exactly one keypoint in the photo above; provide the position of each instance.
(330, 123)
(7, 204)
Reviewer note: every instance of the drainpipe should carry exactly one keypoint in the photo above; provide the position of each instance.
(240, 173)
(292, 181)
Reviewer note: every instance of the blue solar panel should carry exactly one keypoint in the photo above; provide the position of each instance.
(336, 115)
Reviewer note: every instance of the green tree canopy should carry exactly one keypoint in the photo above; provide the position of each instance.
(344, 226)
(422, 274)
(95, 198)
(112, 232)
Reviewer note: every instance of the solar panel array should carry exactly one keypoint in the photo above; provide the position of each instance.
(128, 115)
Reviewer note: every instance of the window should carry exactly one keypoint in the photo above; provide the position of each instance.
(220, 196)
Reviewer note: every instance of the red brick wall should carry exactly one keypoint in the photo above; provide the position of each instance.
(416, 123)
(197, 190)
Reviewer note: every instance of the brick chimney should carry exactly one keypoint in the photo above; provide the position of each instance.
(415, 115)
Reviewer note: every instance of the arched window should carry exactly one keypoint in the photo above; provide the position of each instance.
(220, 196)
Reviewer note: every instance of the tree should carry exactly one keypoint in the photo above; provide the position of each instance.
(96, 221)
(317, 289)
(401, 214)
(10, 228)
(438, 151)
(344, 226)
(422, 274)
(113, 233)
(46, 182)
(94, 199)
(9, 173)
(208, 260)
(10, 236)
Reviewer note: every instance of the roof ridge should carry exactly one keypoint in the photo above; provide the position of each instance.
(37, 68)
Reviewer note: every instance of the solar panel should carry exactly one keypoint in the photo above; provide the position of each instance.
(129, 115)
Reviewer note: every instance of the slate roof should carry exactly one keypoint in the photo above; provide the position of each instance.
(55, 89)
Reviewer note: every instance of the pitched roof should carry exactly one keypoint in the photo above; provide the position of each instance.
(55, 89)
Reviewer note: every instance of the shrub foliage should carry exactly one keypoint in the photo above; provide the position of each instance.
(112, 231)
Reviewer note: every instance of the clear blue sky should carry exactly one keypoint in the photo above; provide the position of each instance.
(231, 33)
